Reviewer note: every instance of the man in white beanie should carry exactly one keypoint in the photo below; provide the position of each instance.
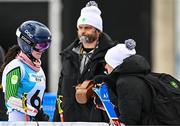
(82, 60)
(133, 95)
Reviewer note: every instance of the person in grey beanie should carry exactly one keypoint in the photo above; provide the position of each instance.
(81, 61)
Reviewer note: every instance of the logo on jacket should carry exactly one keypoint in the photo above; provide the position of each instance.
(14, 79)
(36, 78)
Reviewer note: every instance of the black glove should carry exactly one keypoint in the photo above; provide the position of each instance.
(98, 79)
(41, 116)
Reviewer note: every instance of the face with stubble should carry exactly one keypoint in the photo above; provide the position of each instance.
(87, 34)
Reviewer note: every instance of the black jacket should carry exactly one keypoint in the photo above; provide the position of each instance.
(134, 97)
(3, 109)
(70, 77)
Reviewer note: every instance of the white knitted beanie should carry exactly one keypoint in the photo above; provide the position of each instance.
(91, 15)
(118, 53)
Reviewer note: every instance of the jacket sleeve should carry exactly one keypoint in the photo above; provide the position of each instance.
(12, 82)
(129, 100)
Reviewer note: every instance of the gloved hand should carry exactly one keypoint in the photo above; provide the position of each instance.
(41, 116)
(98, 79)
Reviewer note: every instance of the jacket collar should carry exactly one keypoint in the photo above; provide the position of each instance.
(105, 42)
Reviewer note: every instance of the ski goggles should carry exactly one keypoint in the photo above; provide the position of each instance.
(41, 47)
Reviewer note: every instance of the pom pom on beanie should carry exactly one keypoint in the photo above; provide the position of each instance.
(118, 53)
